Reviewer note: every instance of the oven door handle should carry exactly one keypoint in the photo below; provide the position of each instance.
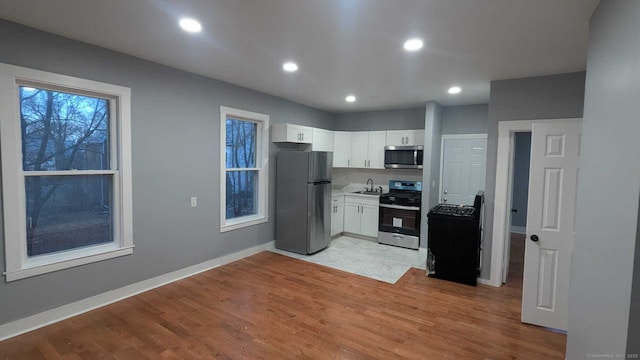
(399, 207)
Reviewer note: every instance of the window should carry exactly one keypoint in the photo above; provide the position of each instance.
(66, 171)
(244, 151)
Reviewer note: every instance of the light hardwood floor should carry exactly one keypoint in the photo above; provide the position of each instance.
(270, 306)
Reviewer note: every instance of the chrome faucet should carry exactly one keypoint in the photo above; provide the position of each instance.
(371, 188)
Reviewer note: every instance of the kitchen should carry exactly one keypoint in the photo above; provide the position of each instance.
(386, 210)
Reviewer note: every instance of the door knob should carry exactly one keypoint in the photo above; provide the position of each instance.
(534, 238)
(514, 210)
(444, 199)
(446, 192)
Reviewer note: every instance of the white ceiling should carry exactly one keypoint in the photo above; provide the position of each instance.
(341, 46)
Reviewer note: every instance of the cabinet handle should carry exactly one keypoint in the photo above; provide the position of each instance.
(365, 163)
(348, 162)
(403, 140)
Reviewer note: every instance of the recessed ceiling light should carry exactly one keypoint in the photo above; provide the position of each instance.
(454, 90)
(190, 25)
(350, 98)
(413, 44)
(290, 66)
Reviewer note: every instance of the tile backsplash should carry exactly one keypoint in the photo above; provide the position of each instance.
(345, 176)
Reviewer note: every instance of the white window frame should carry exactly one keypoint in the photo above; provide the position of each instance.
(262, 166)
(18, 264)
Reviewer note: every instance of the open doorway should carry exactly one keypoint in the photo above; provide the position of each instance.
(519, 195)
(554, 160)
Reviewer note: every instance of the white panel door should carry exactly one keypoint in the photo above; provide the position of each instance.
(463, 169)
(555, 152)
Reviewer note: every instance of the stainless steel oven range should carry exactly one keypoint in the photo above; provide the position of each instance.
(400, 214)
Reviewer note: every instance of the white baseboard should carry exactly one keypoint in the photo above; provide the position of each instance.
(487, 282)
(224, 260)
(48, 317)
(518, 229)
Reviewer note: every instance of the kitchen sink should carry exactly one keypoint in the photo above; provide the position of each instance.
(368, 192)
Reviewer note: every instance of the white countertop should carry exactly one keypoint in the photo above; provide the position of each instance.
(352, 189)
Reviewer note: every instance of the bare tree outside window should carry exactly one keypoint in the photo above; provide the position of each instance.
(67, 134)
(242, 174)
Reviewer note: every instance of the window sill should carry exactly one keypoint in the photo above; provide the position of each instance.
(49, 263)
(240, 223)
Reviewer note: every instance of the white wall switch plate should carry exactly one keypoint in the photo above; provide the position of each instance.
(194, 201)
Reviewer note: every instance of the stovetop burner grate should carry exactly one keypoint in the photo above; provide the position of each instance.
(456, 210)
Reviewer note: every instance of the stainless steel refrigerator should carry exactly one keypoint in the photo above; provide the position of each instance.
(303, 200)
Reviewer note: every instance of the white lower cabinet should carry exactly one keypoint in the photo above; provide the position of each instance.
(361, 215)
(337, 214)
(369, 220)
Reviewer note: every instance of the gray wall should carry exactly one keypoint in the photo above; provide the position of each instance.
(543, 97)
(465, 119)
(431, 170)
(175, 150)
(522, 154)
(633, 334)
(600, 301)
(400, 119)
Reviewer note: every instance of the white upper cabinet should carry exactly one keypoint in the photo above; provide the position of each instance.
(367, 149)
(376, 149)
(359, 149)
(405, 137)
(291, 133)
(341, 149)
(322, 140)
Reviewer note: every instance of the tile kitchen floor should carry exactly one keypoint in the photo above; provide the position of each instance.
(367, 258)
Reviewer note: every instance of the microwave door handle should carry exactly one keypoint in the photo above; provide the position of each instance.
(415, 157)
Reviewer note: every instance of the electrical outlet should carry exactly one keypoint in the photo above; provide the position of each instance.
(194, 201)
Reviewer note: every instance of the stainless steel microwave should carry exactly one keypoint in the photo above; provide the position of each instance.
(403, 157)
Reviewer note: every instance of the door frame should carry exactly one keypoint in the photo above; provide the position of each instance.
(503, 196)
(456, 137)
